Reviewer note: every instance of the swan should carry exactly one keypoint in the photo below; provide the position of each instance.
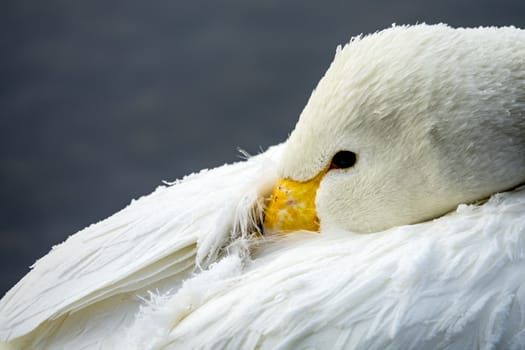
(391, 218)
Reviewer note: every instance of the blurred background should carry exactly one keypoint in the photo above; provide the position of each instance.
(101, 100)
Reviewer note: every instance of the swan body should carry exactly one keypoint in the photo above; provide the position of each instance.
(435, 118)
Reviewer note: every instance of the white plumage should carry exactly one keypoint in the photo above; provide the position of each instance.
(181, 269)
(455, 283)
(157, 240)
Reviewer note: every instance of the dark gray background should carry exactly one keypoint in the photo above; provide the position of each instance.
(101, 100)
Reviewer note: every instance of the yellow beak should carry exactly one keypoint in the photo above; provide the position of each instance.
(291, 206)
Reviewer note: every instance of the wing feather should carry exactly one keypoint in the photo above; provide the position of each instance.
(155, 237)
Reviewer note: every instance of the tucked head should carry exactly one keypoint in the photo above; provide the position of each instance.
(406, 124)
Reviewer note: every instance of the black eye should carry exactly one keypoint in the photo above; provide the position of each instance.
(343, 160)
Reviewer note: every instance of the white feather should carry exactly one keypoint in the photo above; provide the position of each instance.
(154, 243)
(453, 283)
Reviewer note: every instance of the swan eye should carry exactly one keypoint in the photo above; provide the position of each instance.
(343, 160)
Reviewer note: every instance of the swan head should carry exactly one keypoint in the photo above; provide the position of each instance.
(406, 124)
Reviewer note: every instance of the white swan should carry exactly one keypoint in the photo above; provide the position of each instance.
(406, 124)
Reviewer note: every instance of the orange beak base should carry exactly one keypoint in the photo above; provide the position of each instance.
(291, 206)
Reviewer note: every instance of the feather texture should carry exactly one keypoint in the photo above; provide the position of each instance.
(164, 235)
(452, 283)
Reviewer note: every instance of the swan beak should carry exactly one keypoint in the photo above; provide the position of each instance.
(291, 206)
